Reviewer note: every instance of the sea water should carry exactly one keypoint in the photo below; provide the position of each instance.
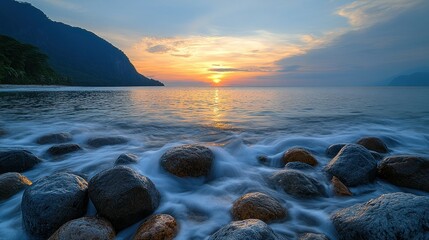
(237, 124)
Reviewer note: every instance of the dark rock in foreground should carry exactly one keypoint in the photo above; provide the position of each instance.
(17, 161)
(106, 141)
(353, 165)
(52, 201)
(334, 149)
(298, 155)
(374, 144)
(252, 229)
(257, 206)
(299, 166)
(339, 188)
(313, 236)
(157, 227)
(406, 171)
(85, 228)
(298, 184)
(54, 138)
(390, 216)
(188, 161)
(126, 158)
(63, 149)
(11, 183)
(123, 196)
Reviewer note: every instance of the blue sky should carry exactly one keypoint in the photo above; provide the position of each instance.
(259, 43)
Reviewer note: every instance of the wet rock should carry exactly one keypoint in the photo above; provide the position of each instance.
(334, 149)
(297, 184)
(298, 155)
(188, 161)
(406, 171)
(106, 141)
(247, 229)
(257, 205)
(339, 188)
(85, 228)
(11, 183)
(63, 149)
(54, 138)
(157, 227)
(313, 236)
(17, 161)
(353, 165)
(298, 166)
(390, 216)
(123, 196)
(264, 160)
(374, 144)
(126, 158)
(52, 201)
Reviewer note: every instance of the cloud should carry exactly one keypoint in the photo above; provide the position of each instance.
(245, 69)
(159, 49)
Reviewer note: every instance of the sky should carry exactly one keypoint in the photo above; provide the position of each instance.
(259, 43)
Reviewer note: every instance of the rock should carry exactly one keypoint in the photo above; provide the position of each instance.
(406, 171)
(257, 206)
(339, 188)
(390, 216)
(353, 165)
(298, 166)
(2, 132)
(17, 161)
(297, 184)
(54, 138)
(11, 183)
(252, 229)
(85, 228)
(63, 149)
(334, 149)
(298, 155)
(126, 158)
(106, 141)
(376, 155)
(374, 144)
(313, 236)
(188, 161)
(157, 227)
(52, 201)
(123, 196)
(264, 160)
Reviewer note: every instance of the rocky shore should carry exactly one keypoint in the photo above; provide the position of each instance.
(56, 206)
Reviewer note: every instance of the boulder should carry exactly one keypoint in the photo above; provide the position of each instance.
(11, 183)
(17, 161)
(157, 227)
(390, 216)
(85, 228)
(63, 149)
(339, 188)
(257, 205)
(106, 141)
(126, 158)
(334, 149)
(313, 236)
(54, 138)
(297, 184)
(298, 155)
(374, 144)
(123, 196)
(188, 161)
(353, 165)
(52, 201)
(298, 166)
(406, 171)
(246, 229)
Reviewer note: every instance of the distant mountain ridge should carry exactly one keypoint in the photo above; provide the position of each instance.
(75, 53)
(414, 79)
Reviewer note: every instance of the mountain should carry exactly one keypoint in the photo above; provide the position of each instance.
(414, 79)
(73, 52)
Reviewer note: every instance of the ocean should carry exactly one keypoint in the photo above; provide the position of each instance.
(237, 124)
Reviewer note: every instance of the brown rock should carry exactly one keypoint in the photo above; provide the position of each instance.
(11, 183)
(313, 236)
(257, 205)
(85, 228)
(339, 188)
(374, 144)
(157, 227)
(298, 155)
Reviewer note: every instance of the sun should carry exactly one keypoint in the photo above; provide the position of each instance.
(216, 80)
